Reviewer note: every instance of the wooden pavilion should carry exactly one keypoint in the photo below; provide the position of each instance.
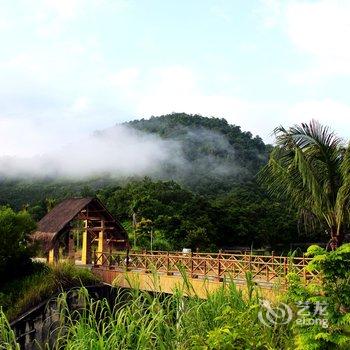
(60, 229)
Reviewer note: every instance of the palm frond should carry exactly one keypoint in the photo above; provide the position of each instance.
(307, 167)
(343, 198)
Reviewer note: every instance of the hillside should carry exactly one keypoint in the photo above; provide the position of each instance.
(214, 157)
(218, 155)
(206, 198)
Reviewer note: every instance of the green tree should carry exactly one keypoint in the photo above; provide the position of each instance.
(14, 250)
(310, 166)
(144, 233)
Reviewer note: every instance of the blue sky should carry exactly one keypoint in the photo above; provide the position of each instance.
(69, 67)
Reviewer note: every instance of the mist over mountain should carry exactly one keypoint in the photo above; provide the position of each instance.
(178, 146)
(118, 151)
(215, 155)
(206, 155)
(192, 176)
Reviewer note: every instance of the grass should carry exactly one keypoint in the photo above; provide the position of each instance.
(7, 336)
(227, 319)
(20, 295)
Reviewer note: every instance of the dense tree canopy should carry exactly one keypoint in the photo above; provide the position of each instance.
(14, 249)
(245, 216)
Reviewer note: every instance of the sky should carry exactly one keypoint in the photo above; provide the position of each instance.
(70, 67)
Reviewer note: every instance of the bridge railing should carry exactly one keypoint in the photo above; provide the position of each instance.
(211, 265)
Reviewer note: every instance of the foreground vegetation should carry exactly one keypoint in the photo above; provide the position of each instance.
(21, 294)
(327, 300)
(24, 283)
(227, 319)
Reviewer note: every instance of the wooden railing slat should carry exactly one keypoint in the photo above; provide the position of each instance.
(216, 265)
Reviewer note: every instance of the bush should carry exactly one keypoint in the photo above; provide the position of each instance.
(14, 250)
(331, 291)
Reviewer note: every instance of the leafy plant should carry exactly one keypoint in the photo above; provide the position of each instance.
(15, 252)
(331, 328)
(7, 335)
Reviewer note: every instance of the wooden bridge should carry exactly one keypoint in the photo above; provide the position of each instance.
(205, 271)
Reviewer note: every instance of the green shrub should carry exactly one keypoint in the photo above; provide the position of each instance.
(14, 250)
(332, 290)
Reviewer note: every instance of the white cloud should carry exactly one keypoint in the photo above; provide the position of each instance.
(320, 29)
(221, 12)
(5, 24)
(119, 151)
(270, 12)
(67, 78)
(329, 112)
(25, 137)
(65, 9)
(125, 78)
(80, 105)
(178, 89)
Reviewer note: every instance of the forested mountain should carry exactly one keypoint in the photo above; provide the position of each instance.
(214, 156)
(207, 199)
(217, 155)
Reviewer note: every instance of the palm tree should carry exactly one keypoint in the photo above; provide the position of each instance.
(310, 166)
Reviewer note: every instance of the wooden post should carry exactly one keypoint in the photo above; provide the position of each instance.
(267, 273)
(273, 264)
(191, 264)
(109, 259)
(167, 263)
(101, 244)
(94, 257)
(219, 266)
(53, 254)
(304, 269)
(71, 247)
(144, 256)
(285, 266)
(127, 260)
(86, 248)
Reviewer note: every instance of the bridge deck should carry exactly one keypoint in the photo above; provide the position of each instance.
(207, 268)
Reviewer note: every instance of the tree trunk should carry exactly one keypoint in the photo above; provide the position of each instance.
(336, 240)
(340, 237)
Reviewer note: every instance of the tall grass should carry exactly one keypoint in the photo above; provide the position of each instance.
(7, 336)
(20, 295)
(227, 319)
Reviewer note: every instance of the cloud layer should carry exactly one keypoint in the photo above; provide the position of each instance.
(69, 67)
(119, 151)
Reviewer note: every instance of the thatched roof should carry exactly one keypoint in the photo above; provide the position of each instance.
(58, 219)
